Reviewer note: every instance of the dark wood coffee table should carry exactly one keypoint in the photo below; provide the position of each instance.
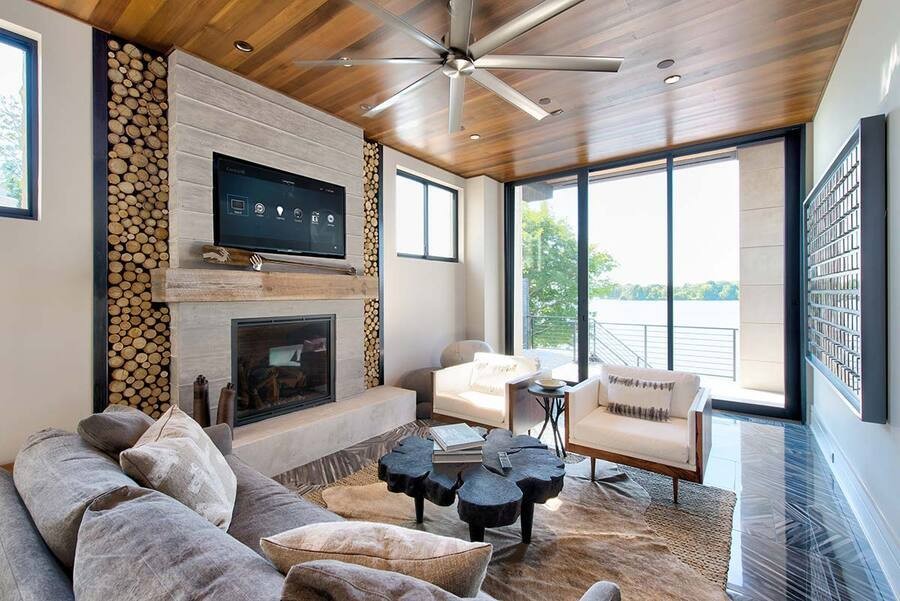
(488, 496)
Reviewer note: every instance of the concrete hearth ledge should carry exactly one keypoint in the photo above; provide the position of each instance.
(278, 444)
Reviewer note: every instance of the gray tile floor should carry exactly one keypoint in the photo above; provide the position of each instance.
(794, 535)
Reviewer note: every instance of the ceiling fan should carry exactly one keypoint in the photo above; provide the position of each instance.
(459, 59)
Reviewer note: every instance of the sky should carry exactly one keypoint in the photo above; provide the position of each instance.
(11, 62)
(627, 219)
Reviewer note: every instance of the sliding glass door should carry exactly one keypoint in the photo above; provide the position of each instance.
(680, 261)
(627, 267)
(546, 261)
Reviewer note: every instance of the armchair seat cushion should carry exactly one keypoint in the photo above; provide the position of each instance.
(661, 442)
(489, 409)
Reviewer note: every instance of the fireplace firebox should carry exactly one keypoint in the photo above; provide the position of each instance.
(281, 364)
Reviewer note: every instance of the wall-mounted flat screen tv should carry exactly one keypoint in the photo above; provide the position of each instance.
(268, 210)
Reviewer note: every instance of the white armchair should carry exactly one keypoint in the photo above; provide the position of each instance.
(678, 447)
(490, 391)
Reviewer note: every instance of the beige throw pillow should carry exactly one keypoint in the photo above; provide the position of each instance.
(454, 565)
(643, 399)
(177, 458)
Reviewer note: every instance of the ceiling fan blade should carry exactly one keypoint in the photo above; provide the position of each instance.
(461, 23)
(604, 64)
(397, 23)
(508, 93)
(526, 21)
(352, 62)
(375, 110)
(457, 96)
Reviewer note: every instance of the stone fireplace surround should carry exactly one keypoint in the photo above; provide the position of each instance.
(212, 110)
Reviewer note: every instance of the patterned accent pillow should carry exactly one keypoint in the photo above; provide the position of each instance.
(643, 399)
(491, 378)
(176, 457)
(455, 565)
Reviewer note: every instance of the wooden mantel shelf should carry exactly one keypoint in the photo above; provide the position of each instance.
(228, 285)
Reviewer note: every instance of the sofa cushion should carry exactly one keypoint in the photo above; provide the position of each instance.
(137, 544)
(264, 507)
(175, 456)
(329, 580)
(57, 475)
(491, 372)
(28, 570)
(118, 428)
(683, 395)
(643, 399)
(488, 409)
(454, 565)
(663, 442)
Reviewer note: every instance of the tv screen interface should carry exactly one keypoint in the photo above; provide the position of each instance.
(264, 209)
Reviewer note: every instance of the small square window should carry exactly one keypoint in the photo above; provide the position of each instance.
(18, 126)
(426, 219)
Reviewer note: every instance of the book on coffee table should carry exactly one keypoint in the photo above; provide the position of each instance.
(457, 437)
(439, 455)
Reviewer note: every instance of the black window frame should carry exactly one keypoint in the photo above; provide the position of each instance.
(455, 194)
(30, 47)
(794, 322)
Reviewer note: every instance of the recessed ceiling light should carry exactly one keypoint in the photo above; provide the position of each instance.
(365, 107)
(672, 79)
(544, 100)
(665, 64)
(243, 46)
(557, 112)
(346, 60)
(475, 137)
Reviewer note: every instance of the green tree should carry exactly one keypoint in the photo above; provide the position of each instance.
(11, 147)
(550, 268)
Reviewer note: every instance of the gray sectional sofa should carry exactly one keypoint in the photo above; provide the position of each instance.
(74, 526)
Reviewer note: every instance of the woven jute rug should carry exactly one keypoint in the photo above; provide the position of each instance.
(622, 528)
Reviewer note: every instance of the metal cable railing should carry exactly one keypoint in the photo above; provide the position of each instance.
(705, 351)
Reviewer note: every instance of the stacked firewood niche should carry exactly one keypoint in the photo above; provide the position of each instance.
(138, 228)
(371, 321)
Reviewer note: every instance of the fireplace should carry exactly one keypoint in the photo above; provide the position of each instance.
(281, 365)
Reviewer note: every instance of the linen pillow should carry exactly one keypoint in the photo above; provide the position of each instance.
(347, 582)
(176, 457)
(491, 372)
(118, 428)
(454, 565)
(643, 399)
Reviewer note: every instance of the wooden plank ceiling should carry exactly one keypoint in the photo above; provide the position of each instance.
(747, 65)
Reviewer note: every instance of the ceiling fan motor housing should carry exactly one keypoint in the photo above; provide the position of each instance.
(457, 65)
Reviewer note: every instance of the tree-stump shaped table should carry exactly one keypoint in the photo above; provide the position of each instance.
(488, 495)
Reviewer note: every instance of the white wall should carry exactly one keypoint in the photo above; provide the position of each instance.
(484, 261)
(424, 301)
(46, 266)
(866, 81)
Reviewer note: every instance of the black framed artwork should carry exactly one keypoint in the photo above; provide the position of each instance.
(845, 253)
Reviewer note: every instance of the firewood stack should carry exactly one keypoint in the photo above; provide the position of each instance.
(138, 228)
(371, 321)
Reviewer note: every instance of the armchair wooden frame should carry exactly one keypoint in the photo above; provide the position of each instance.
(702, 442)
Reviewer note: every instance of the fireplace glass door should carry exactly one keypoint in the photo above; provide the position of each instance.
(282, 365)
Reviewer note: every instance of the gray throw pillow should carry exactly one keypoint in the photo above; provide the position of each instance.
(329, 580)
(141, 545)
(57, 475)
(114, 430)
(176, 457)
